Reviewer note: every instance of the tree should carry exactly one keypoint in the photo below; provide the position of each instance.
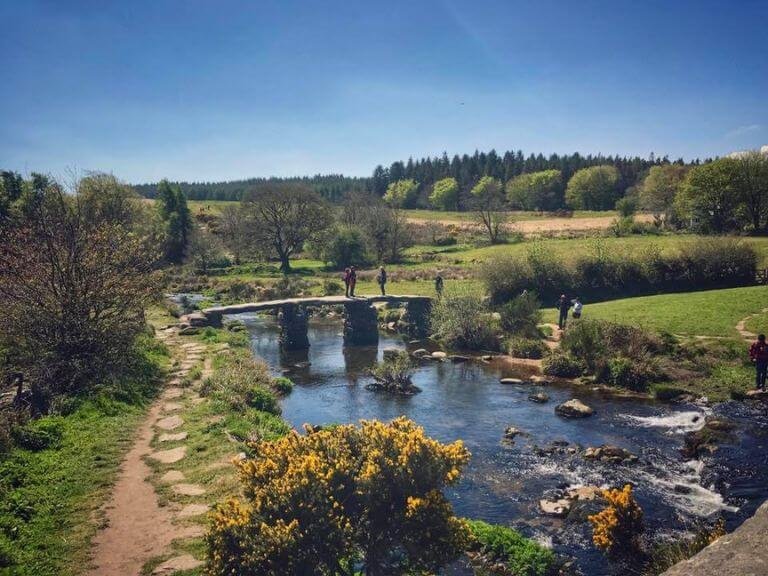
(445, 194)
(105, 199)
(341, 501)
(399, 195)
(284, 216)
(73, 293)
(346, 247)
(204, 249)
(234, 231)
(709, 198)
(593, 188)
(174, 212)
(751, 183)
(659, 189)
(488, 203)
(536, 190)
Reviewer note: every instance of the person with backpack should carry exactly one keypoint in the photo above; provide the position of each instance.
(758, 353)
(345, 278)
(352, 281)
(381, 279)
(577, 306)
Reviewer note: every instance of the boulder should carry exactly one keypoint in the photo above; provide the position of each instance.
(439, 355)
(539, 398)
(609, 453)
(189, 331)
(512, 431)
(510, 381)
(197, 319)
(540, 380)
(420, 352)
(584, 493)
(458, 358)
(573, 409)
(757, 394)
(719, 424)
(558, 508)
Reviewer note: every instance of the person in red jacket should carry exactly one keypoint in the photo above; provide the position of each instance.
(758, 353)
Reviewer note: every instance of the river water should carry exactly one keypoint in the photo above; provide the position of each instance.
(504, 481)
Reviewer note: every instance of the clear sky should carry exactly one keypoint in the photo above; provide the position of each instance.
(219, 90)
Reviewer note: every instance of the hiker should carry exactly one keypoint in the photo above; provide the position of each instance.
(345, 278)
(563, 305)
(758, 353)
(352, 281)
(577, 306)
(439, 285)
(381, 279)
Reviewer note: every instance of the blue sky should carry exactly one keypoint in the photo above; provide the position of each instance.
(214, 90)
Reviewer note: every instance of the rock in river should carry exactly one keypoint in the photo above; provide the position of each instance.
(609, 453)
(510, 381)
(558, 508)
(539, 398)
(439, 355)
(512, 431)
(573, 409)
(421, 352)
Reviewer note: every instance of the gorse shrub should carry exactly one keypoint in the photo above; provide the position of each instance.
(492, 545)
(463, 321)
(521, 315)
(617, 528)
(703, 264)
(342, 500)
(526, 348)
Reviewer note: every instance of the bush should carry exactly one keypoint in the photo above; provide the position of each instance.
(463, 321)
(332, 287)
(242, 381)
(367, 499)
(526, 348)
(286, 287)
(521, 315)
(618, 527)
(562, 366)
(633, 374)
(39, 434)
(346, 247)
(585, 340)
(499, 544)
(665, 392)
(394, 374)
(282, 385)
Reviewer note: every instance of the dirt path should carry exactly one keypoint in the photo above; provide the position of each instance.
(137, 528)
(741, 326)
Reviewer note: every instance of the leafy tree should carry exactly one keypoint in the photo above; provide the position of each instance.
(234, 231)
(751, 183)
(627, 206)
(174, 212)
(536, 191)
(594, 188)
(401, 194)
(73, 293)
(488, 203)
(659, 189)
(284, 216)
(709, 196)
(204, 249)
(445, 194)
(341, 501)
(346, 247)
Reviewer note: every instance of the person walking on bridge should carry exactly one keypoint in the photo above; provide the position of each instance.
(439, 286)
(345, 278)
(352, 281)
(758, 353)
(381, 279)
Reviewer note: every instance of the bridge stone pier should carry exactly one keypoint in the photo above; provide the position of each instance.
(360, 317)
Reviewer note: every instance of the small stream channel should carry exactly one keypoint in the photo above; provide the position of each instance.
(505, 481)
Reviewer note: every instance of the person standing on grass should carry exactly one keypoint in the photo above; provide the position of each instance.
(577, 306)
(382, 280)
(439, 286)
(345, 277)
(563, 305)
(352, 281)
(758, 353)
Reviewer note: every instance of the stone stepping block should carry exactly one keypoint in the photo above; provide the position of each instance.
(188, 489)
(171, 407)
(177, 437)
(172, 476)
(173, 393)
(177, 564)
(193, 510)
(169, 456)
(169, 422)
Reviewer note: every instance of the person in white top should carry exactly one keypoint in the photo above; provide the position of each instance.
(577, 306)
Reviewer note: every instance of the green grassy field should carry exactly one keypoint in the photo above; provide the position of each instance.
(518, 215)
(710, 313)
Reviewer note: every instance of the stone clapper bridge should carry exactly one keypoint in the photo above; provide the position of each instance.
(361, 325)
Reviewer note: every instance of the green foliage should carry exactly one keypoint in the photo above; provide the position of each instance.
(346, 247)
(282, 385)
(174, 212)
(500, 544)
(627, 206)
(526, 348)
(39, 434)
(394, 374)
(242, 382)
(488, 202)
(463, 321)
(445, 194)
(562, 365)
(708, 197)
(401, 194)
(659, 189)
(630, 373)
(593, 188)
(521, 315)
(332, 287)
(536, 191)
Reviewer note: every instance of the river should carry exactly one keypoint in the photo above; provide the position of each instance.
(504, 481)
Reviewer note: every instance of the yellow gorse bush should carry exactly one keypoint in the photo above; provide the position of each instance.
(339, 500)
(618, 527)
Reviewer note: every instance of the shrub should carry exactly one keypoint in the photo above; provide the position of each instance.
(341, 500)
(665, 392)
(521, 556)
(617, 528)
(282, 385)
(262, 399)
(241, 291)
(562, 365)
(346, 247)
(667, 554)
(627, 206)
(521, 315)
(39, 434)
(633, 374)
(463, 321)
(526, 348)
(585, 340)
(332, 287)
(286, 287)
(242, 381)
(394, 374)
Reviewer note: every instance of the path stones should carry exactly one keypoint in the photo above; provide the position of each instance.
(177, 437)
(169, 422)
(169, 456)
(573, 409)
(188, 489)
(171, 407)
(172, 476)
(191, 510)
(173, 393)
(177, 564)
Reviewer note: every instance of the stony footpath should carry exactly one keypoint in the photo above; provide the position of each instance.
(140, 526)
